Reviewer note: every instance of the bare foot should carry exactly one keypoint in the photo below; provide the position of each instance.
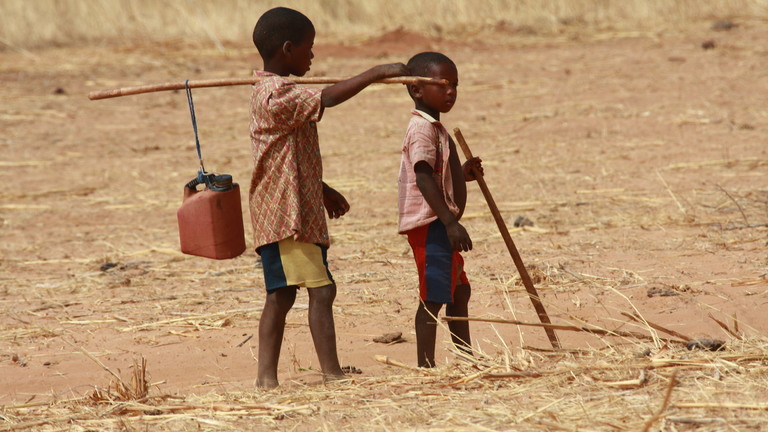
(329, 378)
(267, 384)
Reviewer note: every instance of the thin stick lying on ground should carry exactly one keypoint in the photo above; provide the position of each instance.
(744, 215)
(672, 194)
(636, 318)
(181, 85)
(532, 293)
(724, 326)
(727, 405)
(192, 318)
(512, 374)
(392, 362)
(593, 330)
(244, 341)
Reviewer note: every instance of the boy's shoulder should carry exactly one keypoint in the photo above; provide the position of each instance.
(272, 80)
(269, 79)
(418, 116)
(273, 87)
(423, 125)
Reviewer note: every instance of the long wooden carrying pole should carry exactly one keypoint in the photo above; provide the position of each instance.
(532, 293)
(181, 85)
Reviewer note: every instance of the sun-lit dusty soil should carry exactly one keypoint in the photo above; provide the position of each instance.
(641, 160)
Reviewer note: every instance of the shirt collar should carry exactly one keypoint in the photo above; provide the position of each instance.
(426, 116)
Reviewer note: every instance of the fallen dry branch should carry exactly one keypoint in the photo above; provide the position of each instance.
(741, 209)
(392, 362)
(725, 327)
(192, 318)
(641, 380)
(674, 197)
(593, 330)
(474, 376)
(505, 375)
(752, 162)
(726, 405)
(637, 318)
(696, 363)
(249, 337)
(218, 407)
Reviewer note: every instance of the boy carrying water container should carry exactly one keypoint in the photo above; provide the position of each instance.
(288, 198)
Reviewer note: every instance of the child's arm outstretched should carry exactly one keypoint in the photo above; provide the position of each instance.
(457, 235)
(344, 90)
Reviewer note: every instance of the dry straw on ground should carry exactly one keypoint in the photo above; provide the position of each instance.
(639, 157)
(629, 385)
(636, 380)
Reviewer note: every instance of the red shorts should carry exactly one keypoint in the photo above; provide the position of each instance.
(440, 267)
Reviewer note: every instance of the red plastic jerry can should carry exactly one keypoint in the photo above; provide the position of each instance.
(211, 220)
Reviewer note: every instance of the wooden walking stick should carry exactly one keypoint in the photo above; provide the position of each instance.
(180, 85)
(534, 296)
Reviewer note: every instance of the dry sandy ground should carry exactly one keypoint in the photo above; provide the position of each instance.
(640, 158)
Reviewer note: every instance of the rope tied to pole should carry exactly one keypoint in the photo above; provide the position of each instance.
(201, 174)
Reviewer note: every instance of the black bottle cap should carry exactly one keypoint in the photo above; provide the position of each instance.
(222, 183)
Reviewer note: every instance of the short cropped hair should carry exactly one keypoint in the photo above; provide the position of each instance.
(277, 26)
(420, 63)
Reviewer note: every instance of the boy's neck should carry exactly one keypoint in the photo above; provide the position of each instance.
(276, 67)
(433, 113)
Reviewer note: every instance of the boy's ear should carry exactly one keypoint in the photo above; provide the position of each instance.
(287, 47)
(414, 90)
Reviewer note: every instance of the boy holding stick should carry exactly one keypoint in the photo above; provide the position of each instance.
(432, 194)
(287, 195)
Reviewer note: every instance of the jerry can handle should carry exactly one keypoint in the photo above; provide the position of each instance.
(192, 184)
(191, 188)
(202, 178)
(217, 183)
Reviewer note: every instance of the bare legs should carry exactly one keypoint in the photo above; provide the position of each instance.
(459, 308)
(426, 326)
(323, 329)
(426, 333)
(272, 328)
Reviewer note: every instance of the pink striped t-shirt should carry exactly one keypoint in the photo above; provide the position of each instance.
(426, 139)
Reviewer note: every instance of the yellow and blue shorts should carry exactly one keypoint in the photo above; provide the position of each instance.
(440, 267)
(292, 263)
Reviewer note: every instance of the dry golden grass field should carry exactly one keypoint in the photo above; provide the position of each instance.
(638, 149)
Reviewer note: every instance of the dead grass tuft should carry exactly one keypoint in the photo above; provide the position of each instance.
(118, 391)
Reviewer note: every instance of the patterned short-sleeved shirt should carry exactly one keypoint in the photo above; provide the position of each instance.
(426, 139)
(286, 192)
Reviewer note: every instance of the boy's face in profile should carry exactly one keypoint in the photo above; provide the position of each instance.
(435, 98)
(301, 54)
